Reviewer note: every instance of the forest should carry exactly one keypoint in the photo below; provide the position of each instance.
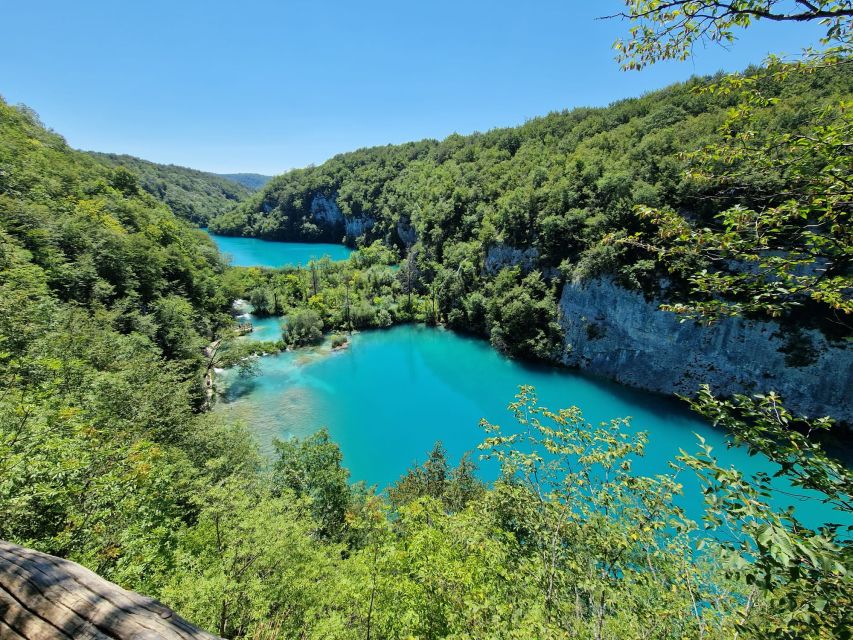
(193, 195)
(252, 181)
(489, 226)
(114, 308)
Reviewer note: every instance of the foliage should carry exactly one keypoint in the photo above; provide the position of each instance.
(601, 537)
(250, 558)
(804, 576)
(573, 191)
(522, 315)
(106, 300)
(434, 479)
(196, 196)
(303, 327)
(312, 467)
(671, 29)
(569, 543)
(789, 247)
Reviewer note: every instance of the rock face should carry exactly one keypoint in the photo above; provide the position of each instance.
(619, 334)
(45, 598)
(326, 211)
(406, 232)
(328, 215)
(504, 255)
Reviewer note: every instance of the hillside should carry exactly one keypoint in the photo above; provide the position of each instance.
(112, 309)
(554, 197)
(194, 195)
(106, 302)
(574, 174)
(252, 181)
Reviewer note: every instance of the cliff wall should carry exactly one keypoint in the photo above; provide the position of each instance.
(617, 333)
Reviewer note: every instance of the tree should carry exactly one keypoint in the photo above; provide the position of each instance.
(791, 247)
(312, 468)
(303, 326)
(803, 575)
(249, 560)
(669, 29)
(786, 250)
(600, 538)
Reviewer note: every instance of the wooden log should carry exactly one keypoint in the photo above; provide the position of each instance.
(43, 597)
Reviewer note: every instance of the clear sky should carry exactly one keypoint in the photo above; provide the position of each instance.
(267, 85)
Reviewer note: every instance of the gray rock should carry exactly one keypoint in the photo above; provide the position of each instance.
(325, 210)
(406, 232)
(327, 214)
(617, 333)
(504, 255)
(358, 226)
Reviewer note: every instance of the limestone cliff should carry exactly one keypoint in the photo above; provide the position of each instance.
(617, 333)
(326, 214)
(503, 255)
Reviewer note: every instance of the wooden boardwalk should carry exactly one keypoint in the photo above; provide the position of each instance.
(43, 597)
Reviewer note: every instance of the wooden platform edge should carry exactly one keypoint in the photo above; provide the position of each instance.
(43, 597)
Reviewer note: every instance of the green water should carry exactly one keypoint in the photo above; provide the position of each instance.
(252, 252)
(389, 396)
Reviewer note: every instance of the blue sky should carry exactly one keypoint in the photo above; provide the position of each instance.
(267, 85)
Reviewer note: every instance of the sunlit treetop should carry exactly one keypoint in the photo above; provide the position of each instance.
(669, 30)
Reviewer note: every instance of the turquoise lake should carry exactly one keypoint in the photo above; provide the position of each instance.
(252, 252)
(389, 396)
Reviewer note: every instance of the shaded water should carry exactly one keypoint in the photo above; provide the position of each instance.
(252, 252)
(389, 396)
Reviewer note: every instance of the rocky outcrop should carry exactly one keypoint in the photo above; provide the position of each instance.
(326, 213)
(619, 334)
(46, 598)
(406, 232)
(504, 255)
(356, 227)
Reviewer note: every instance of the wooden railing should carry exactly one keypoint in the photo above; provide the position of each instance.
(43, 597)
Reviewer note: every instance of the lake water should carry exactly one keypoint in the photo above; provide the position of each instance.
(388, 397)
(252, 252)
(264, 329)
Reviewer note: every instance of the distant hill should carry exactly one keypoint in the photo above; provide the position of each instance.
(194, 195)
(252, 181)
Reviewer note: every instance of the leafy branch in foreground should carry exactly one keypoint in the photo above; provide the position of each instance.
(602, 537)
(803, 576)
(792, 246)
(782, 235)
(669, 30)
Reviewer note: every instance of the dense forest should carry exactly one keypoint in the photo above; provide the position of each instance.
(114, 309)
(490, 225)
(196, 196)
(252, 181)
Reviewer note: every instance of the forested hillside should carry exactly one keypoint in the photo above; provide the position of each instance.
(252, 181)
(194, 195)
(106, 302)
(556, 198)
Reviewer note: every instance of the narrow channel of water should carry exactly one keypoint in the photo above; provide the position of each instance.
(252, 252)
